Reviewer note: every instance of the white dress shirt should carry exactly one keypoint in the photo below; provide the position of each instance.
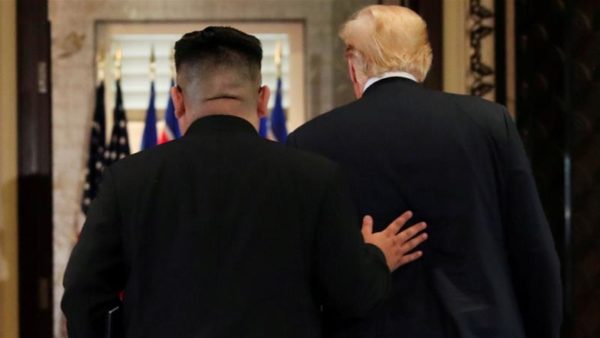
(386, 75)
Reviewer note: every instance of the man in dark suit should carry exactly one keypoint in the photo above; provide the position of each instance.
(221, 233)
(489, 269)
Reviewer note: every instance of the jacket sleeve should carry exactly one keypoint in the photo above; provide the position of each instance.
(353, 276)
(532, 255)
(95, 272)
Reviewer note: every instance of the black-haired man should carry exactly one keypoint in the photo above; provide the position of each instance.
(222, 233)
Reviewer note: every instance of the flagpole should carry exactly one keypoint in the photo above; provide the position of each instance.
(277, 116)
(149, 137)
(117, 59)
(118, 146)
(100, 65)
(277, 58)
(152, 64)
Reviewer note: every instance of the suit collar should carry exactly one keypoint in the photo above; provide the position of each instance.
(390, 81)
(224, 123)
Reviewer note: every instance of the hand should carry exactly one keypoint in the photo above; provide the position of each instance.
(396, 246)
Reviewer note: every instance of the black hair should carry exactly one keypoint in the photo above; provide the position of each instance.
(217, 45)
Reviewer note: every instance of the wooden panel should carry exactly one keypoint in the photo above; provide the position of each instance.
(558, 111)
(457, 48)
(35, 169)
(8, 172)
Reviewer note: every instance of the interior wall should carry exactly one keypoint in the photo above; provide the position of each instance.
(456, 46)
(9, 323)
(73, 80)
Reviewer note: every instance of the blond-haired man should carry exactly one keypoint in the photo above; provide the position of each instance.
(490, 268)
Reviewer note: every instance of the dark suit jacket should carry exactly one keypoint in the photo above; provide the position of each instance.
(489, 269)
(221, 234)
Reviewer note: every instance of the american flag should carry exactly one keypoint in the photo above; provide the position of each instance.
(119, 140)
(95, 163)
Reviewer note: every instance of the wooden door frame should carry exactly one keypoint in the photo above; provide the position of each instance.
(34, 169)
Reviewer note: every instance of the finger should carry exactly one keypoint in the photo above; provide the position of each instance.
(411, 232)
(399, 222)
(410, 258)
(413, 243)
(367, 225)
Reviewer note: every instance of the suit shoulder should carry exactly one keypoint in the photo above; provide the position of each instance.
(142, 162)
(301, 163)
(287, 154)
(478, 106)
(489, 117)
(314, 123)
(323, 122)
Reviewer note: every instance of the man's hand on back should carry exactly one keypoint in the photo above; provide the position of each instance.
(396, 246)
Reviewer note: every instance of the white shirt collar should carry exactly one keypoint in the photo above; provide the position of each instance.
(386, 75)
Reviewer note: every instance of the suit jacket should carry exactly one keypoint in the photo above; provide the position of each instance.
(221, 234)
(489, 268)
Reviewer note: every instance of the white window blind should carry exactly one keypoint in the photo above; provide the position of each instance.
(135, 69)
(136, 40)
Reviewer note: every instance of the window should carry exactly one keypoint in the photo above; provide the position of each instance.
(136, 41)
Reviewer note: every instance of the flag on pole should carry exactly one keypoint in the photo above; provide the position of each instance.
(119, 140)
(149, 136)
(171, 128)
(278, 115)
(263, 128)
(95, 162)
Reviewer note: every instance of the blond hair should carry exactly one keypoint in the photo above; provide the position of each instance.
(388, 38)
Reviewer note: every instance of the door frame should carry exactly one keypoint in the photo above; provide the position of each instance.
(34, 126)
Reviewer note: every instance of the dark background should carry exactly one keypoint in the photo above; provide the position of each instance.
(558, 110)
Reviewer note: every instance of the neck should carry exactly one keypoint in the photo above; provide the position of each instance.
(225, 106)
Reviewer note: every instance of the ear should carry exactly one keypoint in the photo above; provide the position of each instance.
(264, 93)
(179, 105)
(357, 86)
(177, 97)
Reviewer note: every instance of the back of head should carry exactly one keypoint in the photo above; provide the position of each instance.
(388, 38)
(218, 63)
